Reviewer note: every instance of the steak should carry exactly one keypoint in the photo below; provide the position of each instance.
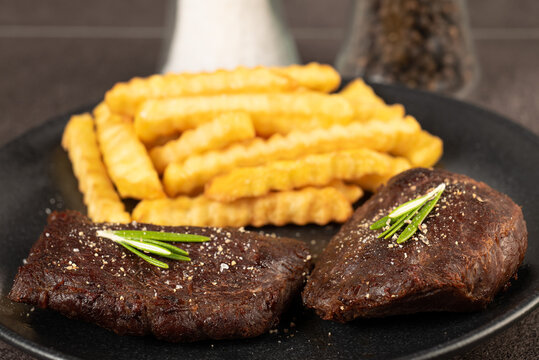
(474, 241)
(236, 286)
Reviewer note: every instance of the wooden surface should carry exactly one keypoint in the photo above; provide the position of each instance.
(57, 57)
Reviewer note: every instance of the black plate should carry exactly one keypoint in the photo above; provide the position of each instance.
(36, 177)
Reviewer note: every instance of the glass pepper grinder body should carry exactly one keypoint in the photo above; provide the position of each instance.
(419, 43)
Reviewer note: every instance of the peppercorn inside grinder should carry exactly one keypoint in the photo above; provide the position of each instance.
(419, 43)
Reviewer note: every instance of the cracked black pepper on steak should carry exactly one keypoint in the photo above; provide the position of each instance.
(471, 245)
(236, 286)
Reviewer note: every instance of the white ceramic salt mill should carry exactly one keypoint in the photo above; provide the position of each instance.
(215, 34)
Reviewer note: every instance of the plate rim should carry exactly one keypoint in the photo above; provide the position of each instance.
(445, 349)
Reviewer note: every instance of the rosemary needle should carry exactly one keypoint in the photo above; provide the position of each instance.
(173, 249)
(163, 236)
(380, 223)
(178, 257)
(157, 250)
(149, 259)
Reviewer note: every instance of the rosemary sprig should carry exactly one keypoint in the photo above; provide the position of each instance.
(140, 242)
(412, 213)
(418, 219)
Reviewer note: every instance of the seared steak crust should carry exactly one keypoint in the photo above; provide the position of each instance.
(236, 286)
(475, 240)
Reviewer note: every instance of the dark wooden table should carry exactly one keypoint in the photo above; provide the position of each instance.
(62, 58)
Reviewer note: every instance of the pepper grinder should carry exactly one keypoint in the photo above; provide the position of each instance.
(224, 34)
(419, 43)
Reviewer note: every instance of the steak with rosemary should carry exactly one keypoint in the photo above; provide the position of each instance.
(236, 286)
(470, 246)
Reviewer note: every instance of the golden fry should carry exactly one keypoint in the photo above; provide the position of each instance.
(127, 160)
(102, 201)
(309, 205)
(367, 112)
(313, 76)
(225, 129)
(360, 92)
(195, 171)
(422, 150)
(372, 182)
(125, 98)
(311, 170)
(271, 113)
(351, 192)
(367, 105)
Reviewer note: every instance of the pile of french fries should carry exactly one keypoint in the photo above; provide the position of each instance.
(251, 146)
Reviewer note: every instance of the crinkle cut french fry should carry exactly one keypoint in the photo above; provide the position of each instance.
(224, 130)
(271, 113)
(102, 201)
(125, 98)
(367, 112)
(351, 192)
(423, 150)
(313, 76)
(372, 182)
(195, 171)
(367, 105)
(126, 158)
(309, 205)
(311, 170)
(358, 91)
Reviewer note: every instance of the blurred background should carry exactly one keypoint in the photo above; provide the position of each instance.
(59, 55)
(64, 54)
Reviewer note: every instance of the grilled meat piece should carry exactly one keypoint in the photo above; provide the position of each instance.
(236, 286)
(473, 243)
